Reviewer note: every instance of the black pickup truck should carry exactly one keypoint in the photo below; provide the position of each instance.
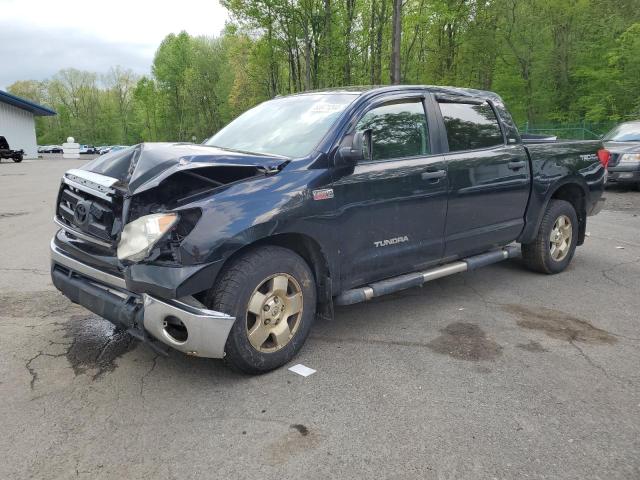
(232, 248)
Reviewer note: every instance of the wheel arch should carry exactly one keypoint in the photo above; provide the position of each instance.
(572, 190)
(576, 195)
(310, 251)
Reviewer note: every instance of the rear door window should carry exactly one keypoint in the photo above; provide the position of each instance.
(471, 126)
(398, 130)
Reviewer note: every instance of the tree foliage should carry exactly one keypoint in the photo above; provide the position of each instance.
(551, 60)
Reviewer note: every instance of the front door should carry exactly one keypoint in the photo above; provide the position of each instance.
(392, 207)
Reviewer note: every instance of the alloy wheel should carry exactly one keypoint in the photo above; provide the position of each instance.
(560, 238)
(274, 313)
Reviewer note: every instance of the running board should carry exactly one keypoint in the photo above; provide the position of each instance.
(416, 279)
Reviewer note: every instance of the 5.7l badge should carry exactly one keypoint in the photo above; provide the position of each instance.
(324, 194)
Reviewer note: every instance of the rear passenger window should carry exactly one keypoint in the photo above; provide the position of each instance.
(470, 126)
(398, 130)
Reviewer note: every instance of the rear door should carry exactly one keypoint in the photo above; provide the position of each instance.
(392, 208)
(489, 180)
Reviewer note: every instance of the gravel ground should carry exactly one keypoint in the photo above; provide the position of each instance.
(497, 373)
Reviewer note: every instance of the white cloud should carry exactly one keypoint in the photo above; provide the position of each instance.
(40, 37)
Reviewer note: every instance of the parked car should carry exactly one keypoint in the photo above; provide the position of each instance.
(231, 249)
(624, 144)
(117, 148)
(113, 148)
(88, 149)
(50, 149)
(6, 152)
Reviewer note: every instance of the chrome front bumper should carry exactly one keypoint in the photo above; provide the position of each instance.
(106, 295)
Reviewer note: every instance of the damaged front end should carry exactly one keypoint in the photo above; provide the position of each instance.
(123, 220)
(96, 202)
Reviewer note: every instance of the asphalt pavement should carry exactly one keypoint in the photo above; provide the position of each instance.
(498, 373)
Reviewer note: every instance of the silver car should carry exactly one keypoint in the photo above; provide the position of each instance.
(623, 142)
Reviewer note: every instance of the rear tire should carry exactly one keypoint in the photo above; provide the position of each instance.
(554, 246)
(271, 292)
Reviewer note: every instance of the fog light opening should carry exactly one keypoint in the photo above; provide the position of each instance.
(175, 329)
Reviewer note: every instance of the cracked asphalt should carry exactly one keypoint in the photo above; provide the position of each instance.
(498, 373)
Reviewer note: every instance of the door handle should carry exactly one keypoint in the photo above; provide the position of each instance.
(435, 175)
(517, 165)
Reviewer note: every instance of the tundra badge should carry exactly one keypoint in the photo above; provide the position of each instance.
(391, 241)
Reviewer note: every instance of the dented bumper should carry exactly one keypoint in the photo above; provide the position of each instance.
(183, 324)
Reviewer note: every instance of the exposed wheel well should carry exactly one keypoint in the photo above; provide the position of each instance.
(574, 194)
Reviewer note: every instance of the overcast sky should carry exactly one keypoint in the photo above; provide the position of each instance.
(40, 37)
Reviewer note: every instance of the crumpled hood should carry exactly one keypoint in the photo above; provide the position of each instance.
(146, 165)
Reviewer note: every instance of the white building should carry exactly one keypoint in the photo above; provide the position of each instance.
(17, 122)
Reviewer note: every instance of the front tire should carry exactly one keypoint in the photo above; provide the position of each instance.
(272, 293)
(554, 246)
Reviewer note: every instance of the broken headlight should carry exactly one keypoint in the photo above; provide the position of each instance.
(140, 236)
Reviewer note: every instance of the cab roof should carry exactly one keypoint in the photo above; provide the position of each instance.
(377, 89)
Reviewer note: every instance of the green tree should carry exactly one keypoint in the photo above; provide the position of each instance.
(551, 60)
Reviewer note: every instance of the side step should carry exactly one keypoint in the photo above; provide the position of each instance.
(416, 279)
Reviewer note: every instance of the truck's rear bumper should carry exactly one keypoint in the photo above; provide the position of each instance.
(184, 326)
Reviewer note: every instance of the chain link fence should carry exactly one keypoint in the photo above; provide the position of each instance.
(579, 131)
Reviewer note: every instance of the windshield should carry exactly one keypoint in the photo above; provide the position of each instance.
(290, 126)
(627, 132)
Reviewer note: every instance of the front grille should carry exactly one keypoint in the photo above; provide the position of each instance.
(93, 215)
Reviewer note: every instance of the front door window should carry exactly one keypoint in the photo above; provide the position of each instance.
(398, 130)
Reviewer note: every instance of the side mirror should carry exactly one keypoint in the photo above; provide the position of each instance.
(356, 150)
